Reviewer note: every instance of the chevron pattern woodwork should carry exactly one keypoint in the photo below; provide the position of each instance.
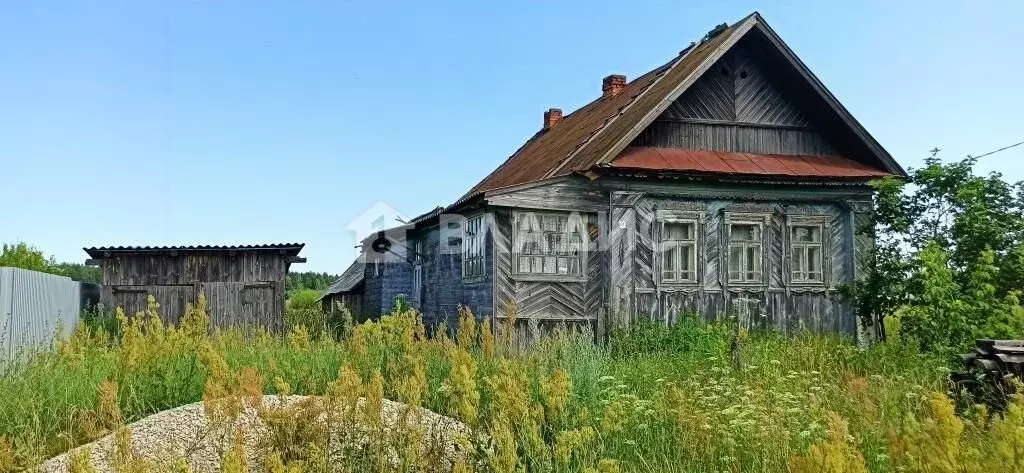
(736, 89)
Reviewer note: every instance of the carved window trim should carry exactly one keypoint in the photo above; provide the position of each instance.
(822, 222)
(530, 225)
(669, 216)
(763, 223)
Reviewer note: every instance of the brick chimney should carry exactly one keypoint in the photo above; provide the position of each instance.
(552, 117)
(612, 85)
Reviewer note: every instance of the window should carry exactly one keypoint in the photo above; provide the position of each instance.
(473, 249)
(806, 254)
(548, 244)
(417, 273)
(679, 251)
(745, 253)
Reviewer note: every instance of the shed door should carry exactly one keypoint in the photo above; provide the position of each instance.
(172, 300)
(245, 305)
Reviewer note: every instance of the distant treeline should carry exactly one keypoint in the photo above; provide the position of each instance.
(301, 280)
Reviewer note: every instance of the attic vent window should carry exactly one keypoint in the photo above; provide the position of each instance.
(743, 74)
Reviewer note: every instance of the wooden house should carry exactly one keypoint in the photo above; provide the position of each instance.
(243, 285)
(727, 180)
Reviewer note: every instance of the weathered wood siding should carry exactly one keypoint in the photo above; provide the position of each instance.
(541, 306)
(241, 289)
(353, 301)
(442, 289)
(735, 138)
(738, 105)
(636, 292)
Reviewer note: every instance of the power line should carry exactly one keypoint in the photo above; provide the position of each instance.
(1004, 148)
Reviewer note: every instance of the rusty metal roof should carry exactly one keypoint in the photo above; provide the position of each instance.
(721, 162)
(564, 147)
(290, 249)
(595, 133)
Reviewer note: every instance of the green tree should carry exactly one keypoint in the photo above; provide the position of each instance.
(24, 256)
(949, 255)
(80, 272)
(298, 281)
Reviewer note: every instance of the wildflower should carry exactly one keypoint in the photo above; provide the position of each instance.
(487, 337)
(464, 398)
(555, 393)
(605, 465)
(835, 454)
(467, 328)
(80, 463)
(503, 456)
(568, 442)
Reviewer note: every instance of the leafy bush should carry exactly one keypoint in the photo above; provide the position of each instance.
(949, 256)
(303, 309)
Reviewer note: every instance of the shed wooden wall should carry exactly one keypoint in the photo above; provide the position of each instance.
(245, 289)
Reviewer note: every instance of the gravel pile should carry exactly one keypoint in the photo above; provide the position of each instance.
(185, 433)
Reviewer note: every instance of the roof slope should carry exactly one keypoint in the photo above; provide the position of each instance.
(597, 132)
(348, 280)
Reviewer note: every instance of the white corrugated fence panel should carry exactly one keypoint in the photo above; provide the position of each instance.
(6, 301)
(33, 306)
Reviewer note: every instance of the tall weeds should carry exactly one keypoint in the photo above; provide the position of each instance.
(656, 399)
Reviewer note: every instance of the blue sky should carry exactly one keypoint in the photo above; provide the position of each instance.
(236, 121)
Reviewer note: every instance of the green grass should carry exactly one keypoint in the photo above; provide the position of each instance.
(655, 399)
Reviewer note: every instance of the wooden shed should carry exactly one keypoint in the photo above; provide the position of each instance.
(244, 285)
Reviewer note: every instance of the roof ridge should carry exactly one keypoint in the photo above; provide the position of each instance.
(662, 71)
(539, 133)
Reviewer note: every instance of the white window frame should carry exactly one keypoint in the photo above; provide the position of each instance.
(528, 227)
(820, 222)
(762, 222)
(697, 243)
(474, 262)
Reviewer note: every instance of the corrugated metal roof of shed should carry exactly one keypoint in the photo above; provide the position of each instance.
(290, 249)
